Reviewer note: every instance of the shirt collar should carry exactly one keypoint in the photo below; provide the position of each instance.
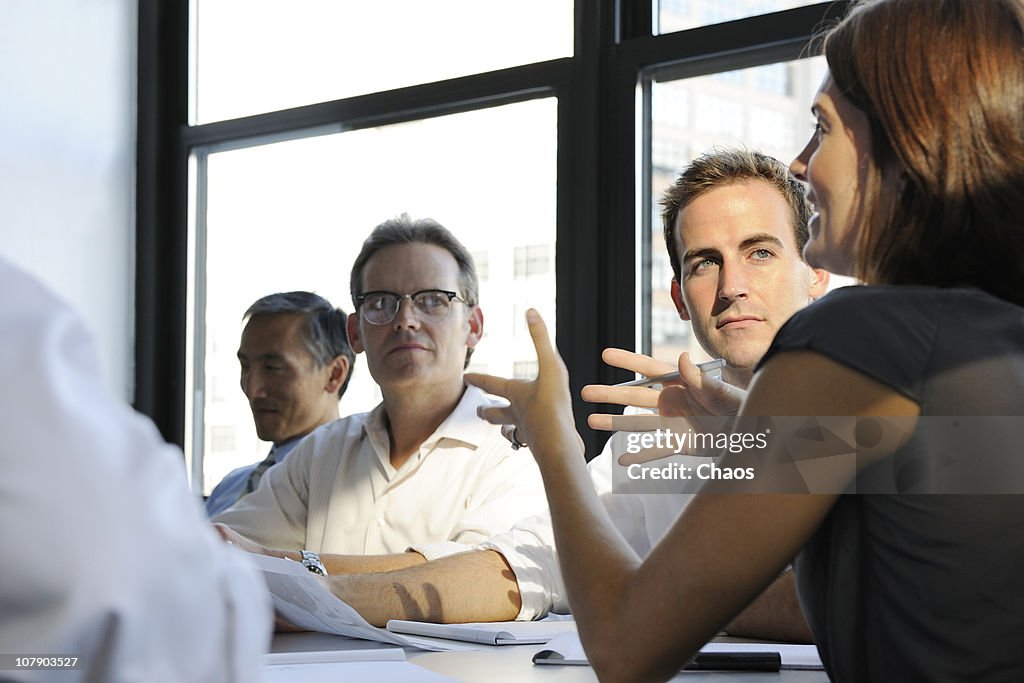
(284, 448)
(462, 424)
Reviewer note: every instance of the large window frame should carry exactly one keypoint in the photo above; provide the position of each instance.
(603, 169)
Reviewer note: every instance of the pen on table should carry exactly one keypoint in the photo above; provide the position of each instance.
(712, 368)
(735, 661)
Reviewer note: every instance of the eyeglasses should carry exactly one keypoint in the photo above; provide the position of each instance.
(431, 305)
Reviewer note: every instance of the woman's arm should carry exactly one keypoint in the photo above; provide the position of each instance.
(643, 620)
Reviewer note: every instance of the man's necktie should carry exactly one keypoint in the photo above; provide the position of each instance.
(254, 479)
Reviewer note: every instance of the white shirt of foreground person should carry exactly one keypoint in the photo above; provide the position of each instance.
(641, 518)
(104, 553)
(338, 493)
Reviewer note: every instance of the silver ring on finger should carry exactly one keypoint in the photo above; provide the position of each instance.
(516, 443)
(510, 433)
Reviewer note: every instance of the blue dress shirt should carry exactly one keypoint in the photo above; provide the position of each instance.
(232, 487)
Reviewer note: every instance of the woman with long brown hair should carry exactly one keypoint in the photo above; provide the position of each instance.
(907, 561)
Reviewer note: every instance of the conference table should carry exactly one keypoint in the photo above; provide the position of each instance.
(513, 663)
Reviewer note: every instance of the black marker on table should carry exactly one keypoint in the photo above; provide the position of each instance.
(735, 661)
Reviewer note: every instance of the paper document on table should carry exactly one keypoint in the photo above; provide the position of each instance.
(384, 654)
(378, 672)
(303, 600)
(487, 633)
(566, 649)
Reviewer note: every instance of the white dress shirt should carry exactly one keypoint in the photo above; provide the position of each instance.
(104, 553)
(338, 493)
(642, 519)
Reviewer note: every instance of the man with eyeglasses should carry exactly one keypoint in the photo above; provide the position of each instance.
(421, 476)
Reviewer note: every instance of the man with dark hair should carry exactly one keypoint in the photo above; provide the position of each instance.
(734, 225)
(420, 476)
(296, 363)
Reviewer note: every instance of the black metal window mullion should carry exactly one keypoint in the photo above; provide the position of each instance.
(161, 198)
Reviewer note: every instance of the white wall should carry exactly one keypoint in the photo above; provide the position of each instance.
(67, 159)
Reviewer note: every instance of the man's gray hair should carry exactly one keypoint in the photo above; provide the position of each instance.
(324, 332)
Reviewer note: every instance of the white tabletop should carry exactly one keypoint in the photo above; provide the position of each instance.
(513, 663)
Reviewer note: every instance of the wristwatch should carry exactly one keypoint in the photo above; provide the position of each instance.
(311, 561)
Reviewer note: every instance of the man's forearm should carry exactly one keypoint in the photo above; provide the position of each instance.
(368, 564)
(354, 564)
(472, 586)
(774, 615)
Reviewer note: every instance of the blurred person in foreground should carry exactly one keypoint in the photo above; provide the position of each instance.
(106, 556)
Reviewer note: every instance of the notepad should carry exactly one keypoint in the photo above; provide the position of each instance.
(567, 650)
(331, 672)
(383, 654)
(487, 633)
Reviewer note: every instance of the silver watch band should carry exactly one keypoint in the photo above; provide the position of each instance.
(311, 561)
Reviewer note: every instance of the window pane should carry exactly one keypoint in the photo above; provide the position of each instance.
(293, 215)
(679, 15)
(765, 108)
(255, 56)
